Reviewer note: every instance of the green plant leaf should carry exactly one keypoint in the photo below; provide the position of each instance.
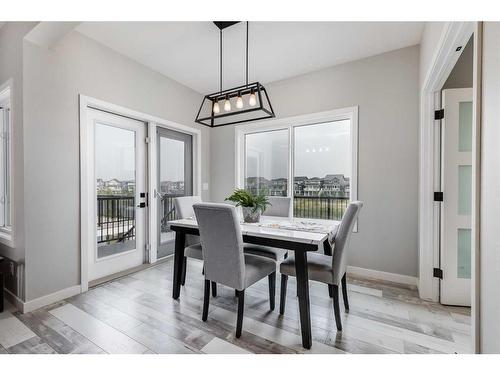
(245, 198)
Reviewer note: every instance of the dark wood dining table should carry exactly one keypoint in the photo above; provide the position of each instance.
(298, 235)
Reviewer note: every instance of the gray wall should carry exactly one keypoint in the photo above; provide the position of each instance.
(11, 64)
(385, 88)
(462, 74)
(490, 188)
(51, 142)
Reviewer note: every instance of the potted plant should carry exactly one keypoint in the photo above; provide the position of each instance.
(252, 205)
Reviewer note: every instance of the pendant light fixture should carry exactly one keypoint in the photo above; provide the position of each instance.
(251, 99)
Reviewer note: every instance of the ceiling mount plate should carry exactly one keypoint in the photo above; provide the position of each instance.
(223, 24)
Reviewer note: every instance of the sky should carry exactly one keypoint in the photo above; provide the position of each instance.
(114, 153)
(115, 149)
(319, 150)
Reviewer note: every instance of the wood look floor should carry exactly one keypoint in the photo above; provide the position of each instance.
(136, 314)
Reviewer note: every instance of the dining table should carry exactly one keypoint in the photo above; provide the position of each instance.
(299, 235)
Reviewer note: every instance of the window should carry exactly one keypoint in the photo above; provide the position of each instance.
(322, 169)
(266, 162)
(5, 164)
(311, 158)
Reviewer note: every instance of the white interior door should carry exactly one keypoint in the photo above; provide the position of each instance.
(456, 242)
(119, 159)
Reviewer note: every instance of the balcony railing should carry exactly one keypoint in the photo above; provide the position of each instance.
(330, 208)
(115, 218)
(116, 214)
(167, 210)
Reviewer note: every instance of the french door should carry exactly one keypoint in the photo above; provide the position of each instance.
(119, 158)
(175, 179)
(456, 178)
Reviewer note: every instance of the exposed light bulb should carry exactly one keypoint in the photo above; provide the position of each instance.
(252, 100)
(239, 102)
(216, 107)
(227, 105)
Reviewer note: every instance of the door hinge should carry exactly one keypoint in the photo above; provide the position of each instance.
(439, 114)
(438, 196)
(438, 272)
(147, 140)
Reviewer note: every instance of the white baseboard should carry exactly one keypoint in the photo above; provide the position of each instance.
(50, 298)
(381, 275)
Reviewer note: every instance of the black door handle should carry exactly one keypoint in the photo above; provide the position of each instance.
(141, 205)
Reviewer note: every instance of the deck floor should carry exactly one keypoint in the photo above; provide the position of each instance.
(136, 314)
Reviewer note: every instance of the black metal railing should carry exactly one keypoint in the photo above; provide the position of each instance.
(330, 208)
(115, 218)
(168, 210)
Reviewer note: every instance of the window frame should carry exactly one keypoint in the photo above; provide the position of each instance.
(6, 95)
(290, 123)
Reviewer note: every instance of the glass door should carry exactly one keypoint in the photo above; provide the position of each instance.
(120, 194)
(175, 179)
(456, 208)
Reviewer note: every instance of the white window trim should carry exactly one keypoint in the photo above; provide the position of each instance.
(87, 169)
(289, 123)
(7, 234)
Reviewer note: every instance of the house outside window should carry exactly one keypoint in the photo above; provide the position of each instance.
(311, 158)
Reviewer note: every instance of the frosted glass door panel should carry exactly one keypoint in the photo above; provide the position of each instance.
(464, 253)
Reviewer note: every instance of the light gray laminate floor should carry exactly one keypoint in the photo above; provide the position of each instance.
(136, 314)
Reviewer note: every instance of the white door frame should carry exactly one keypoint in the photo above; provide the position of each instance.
(87, 183)
(454, 34)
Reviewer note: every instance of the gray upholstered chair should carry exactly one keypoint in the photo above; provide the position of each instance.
(330, 270)
(184, 210)
(282, 207)
(224, 260)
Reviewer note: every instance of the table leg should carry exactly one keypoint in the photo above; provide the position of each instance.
(180, 239)
(303, 294)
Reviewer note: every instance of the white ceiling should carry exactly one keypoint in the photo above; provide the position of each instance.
(188, 52)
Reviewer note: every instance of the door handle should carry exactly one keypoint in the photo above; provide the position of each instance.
(141, 205)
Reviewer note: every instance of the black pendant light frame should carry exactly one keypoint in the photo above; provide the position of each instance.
(264, 109)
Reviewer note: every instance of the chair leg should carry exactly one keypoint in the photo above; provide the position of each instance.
(336, 307)
(284, 281)
(206, 300)
(272, 290)
(344, 292)
(184, 266)
(241, 304)
(214, 289)
(330, 290)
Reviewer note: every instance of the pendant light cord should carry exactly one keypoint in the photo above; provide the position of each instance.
(220, 86)
(247, 57)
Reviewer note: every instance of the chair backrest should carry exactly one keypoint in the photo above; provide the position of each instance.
(341, 240)
(221, 244)
(280, 206)
(184, 206)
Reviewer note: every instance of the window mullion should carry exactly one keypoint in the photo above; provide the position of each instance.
(291, 159)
